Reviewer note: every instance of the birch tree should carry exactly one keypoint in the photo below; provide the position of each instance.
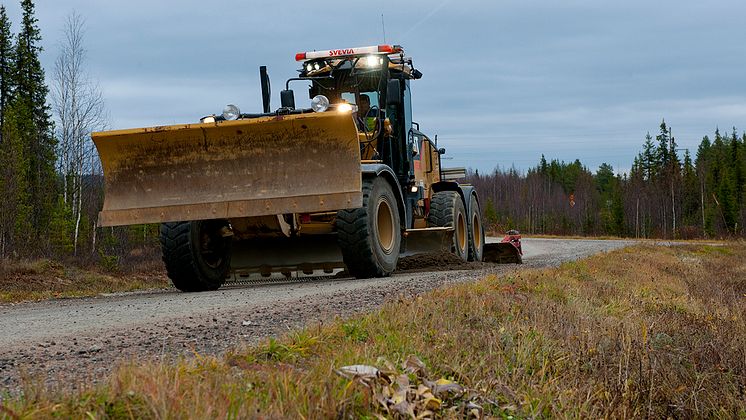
(79, 106)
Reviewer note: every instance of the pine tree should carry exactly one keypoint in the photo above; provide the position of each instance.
(33, 121)
(604, 178)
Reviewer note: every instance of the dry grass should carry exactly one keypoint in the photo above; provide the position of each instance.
(640, 332)
(549, 236)
(24, 280)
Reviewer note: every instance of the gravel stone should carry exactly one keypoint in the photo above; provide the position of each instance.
(54, 341)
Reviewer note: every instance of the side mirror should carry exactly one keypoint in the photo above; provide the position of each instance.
(416, 74)
(287, 99)
(442, 151)
(393, 93)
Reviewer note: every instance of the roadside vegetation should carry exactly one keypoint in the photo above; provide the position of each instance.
(640, 332)
(27, 280)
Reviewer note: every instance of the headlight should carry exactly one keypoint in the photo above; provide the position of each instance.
(344, 107)
(319, 103)
(231, 112)
(207, 119)
(373, 61)
(309, 67)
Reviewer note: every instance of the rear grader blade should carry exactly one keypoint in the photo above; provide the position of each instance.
(506, 251)
(250, 167)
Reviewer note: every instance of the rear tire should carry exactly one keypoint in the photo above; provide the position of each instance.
(476, 230)
(370, 237)
(447, 210)
(197, 257)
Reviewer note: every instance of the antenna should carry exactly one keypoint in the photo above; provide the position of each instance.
(383, 26)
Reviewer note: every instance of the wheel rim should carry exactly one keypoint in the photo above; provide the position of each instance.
(385, 226)
(461, 232)
(211, 246)
(476, 232)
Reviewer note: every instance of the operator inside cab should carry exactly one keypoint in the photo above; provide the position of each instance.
(367, 118)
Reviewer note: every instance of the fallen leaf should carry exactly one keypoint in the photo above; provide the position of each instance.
(472, 407)
(404, 409)
(433, 403)
(414, 365)
(358, 371)
(443, 386)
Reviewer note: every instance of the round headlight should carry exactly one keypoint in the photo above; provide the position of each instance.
(319, 103)
(344, 107)
(309, 67)
(231, 112)
(316, 65)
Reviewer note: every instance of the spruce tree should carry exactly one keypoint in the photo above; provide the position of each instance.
(691, 193)
(739, 175)
(33, 120)
(617, 206)
(9, 159)
(6, 68)
(663, 152)
(649, 159)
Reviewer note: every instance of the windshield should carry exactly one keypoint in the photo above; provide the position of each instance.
(355, 99)
(347, 84)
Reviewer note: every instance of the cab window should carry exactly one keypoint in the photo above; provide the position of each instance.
(349, 97)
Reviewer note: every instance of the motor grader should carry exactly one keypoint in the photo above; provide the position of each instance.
(348, 183)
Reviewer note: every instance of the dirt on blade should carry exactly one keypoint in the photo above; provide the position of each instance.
(435, 262)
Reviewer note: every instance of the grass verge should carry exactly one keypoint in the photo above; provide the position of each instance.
(25, 280)
(643, 331)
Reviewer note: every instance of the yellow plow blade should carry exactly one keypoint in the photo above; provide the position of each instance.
(252, 167)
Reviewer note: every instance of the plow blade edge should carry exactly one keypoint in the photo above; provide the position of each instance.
(252, 167)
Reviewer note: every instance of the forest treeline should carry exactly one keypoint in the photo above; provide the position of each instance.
(51, 186)
(666, 194)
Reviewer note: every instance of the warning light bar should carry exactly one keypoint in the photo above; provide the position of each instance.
(349, 52)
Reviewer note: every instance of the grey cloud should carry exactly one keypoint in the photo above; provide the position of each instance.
(505, 81)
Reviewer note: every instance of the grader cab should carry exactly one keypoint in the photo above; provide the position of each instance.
(347, 183)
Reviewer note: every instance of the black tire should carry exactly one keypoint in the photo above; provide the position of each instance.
(476, 230)
(447, 210)
(370, 237)
(197, 257)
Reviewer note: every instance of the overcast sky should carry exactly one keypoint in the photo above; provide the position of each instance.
(504, 81)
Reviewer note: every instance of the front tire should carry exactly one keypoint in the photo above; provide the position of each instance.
(447, 210)
(370, 236)
(196, 255)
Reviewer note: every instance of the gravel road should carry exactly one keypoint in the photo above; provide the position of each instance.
(75, 341)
